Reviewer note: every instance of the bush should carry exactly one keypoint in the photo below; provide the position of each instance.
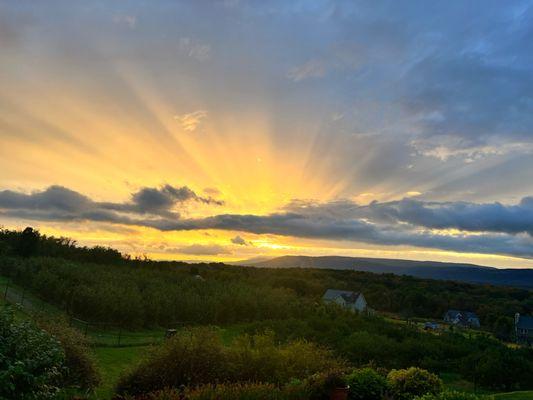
(230, 391)
(250, 391)
(450, 395)
(501, 368)
(319, 386)
(366, 384)
(81, 366)
(196, 357)
(405, 384)
(32, 363)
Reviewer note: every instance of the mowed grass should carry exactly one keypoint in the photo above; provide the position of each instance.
(454, 381)
(112, 362)
(525, 395)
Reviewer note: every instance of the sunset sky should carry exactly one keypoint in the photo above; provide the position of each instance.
(226, 130)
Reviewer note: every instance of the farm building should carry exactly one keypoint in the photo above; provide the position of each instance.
(352, 300)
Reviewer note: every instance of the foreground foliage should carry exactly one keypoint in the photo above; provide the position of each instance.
(362, 340)
(366, 384)
(196, 357)
(415, 382)
(32, 363)
(81, 367)
(409, 383)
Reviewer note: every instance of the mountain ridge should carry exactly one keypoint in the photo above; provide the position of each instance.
(463, 272)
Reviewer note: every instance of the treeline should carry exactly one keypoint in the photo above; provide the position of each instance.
(31, 243)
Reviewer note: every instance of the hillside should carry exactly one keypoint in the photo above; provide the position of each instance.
(118, 301)
(470, 273)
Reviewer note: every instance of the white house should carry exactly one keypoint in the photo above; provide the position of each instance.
(345, 298)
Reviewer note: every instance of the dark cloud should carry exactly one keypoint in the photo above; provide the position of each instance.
(60, 203)
(464, 216)
(160, 200)
(54, 198)
(498, 228)
(240, 241)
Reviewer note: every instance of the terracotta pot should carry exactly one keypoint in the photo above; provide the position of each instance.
(339, 394)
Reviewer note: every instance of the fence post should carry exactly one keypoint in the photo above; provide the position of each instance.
(5, 292)
(22, 297)
(119, 335)
(86, 326)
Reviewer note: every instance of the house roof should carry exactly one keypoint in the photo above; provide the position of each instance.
(525, 322)
(461, 314)
(347, 295)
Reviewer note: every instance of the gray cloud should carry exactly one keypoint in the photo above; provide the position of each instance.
(161, 199)
(464, 216)
(54, 198)
(498, 228)
(60, 203)
(240, 241)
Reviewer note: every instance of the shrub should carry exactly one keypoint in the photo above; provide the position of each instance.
(81, 366)
(501, 368)
(320, 385)
(31, 361)
(405, 384)
(196, 357)
(229, 391)
(249, 391)
(366, 384)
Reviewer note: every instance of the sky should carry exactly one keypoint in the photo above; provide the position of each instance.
(227, 130)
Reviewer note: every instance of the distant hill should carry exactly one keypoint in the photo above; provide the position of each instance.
(471, 273)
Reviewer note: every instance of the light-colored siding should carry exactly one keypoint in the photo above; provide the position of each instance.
(360, 304)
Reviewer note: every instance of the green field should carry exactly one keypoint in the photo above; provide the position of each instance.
(112, 363)
(525, 395)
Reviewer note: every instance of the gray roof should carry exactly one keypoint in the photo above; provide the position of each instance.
(461, 314)
(347, 295)
(525, 322)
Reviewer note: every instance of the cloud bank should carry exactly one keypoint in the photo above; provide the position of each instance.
(491, 228)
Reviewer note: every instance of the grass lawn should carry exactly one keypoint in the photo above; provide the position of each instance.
(229, 333)
(526, 395)
(456, 382)
(112, 362)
